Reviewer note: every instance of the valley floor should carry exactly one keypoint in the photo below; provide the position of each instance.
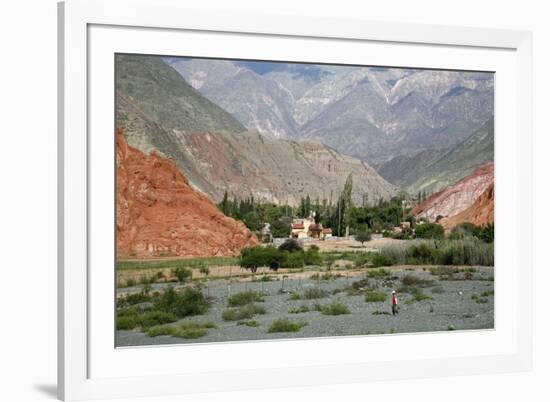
(462, 303)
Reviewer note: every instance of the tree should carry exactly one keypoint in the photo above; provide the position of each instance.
(363, 235)
(281, 227)
(183, 274)
(430, 231)
(290, 245)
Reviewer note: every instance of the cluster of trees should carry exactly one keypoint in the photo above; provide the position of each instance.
(290, 254)
(340, 215)
(255, 214)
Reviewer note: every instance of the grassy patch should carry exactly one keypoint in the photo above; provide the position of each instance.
(300, 309)
(286, 325)
(132, 318)
(243, 298)
(242, 313)
(379, 312)
(179, 263)
(187, 330)
(375, 297)
(249, 323)
(335, 308)
(314, 293)
(378, 273)
(488, 293)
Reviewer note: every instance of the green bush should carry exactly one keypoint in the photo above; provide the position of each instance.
(335, 308)
(187, 303)
(291, 246)
(260, 256)
(381, 260)
(243, 298)
(242, 313)
(249, 323)
(188, 330)
(285, 325)
(312, 256)
(378, 273)
(155, 317)
(314, 293)
(430, 231)
(183, 274)
(292, 260)
(301, 309)
(363, 235)
(375, 297)
(126, 322)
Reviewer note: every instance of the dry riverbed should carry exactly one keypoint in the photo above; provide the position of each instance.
(463, 301)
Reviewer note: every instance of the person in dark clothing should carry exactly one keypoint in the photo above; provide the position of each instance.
(394, 309)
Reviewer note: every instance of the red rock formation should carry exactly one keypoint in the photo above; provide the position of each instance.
(457, 198)
(160, 214)
(480, 213)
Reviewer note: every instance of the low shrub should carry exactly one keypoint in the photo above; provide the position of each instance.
(286, 325)
(430, 231)
(381, 260)
(488, 293)
(420, 296)
(375, 297)
(314, 293)
(378, 273)
(242, 313)
(335, 308)
(249, 323)
(183, 274)
(187, 303)
(300, 309)
(187, 330)
(243, 298)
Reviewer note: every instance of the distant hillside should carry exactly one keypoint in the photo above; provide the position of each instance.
(481, 212)
(279, 171)
(457, 198)
(152, 101)
(433, 170)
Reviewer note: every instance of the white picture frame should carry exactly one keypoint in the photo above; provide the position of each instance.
(90, 368)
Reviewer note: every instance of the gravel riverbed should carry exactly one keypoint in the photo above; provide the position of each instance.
(459, 304)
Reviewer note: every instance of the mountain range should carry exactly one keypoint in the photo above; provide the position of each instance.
(160, 111)
(372, 113)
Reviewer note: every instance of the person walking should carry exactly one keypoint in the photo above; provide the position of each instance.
(394, 303)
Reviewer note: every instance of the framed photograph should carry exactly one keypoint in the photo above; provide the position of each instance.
(255, 201)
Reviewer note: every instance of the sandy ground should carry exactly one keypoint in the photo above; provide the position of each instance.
(456, 307)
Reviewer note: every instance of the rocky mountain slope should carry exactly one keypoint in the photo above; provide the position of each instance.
(372, 113)
(152, 100)
(160, 214)
(434, 169)
(279, 171)
(216, 156)
(458, 197)
(481, 212)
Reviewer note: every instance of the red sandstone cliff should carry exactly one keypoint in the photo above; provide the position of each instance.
(160, 214)
(480, 213)
(471, 198)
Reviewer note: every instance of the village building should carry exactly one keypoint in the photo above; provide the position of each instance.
(303, 228)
